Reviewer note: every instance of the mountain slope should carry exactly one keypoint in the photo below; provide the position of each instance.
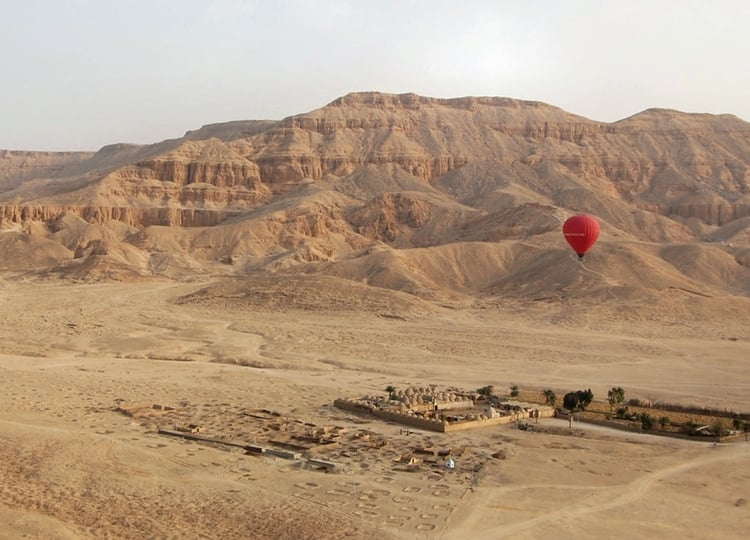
(444, 199)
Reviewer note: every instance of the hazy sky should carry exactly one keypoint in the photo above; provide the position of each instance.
(79, 74)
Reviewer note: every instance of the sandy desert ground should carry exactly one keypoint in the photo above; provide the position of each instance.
(71, 466)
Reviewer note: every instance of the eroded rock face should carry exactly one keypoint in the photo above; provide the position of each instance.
(429, 137)
(190, 196)
(683, 166)
(711, 210)
(386, 217)
(218, 174)
(136, 217)
(19, 166)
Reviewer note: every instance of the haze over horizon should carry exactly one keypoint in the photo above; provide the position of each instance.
(85, 74)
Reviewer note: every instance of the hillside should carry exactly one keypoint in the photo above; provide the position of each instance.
(447, 200)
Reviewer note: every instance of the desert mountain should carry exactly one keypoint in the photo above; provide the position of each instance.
(438, 199)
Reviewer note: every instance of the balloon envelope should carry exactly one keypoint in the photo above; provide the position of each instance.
(581, 231)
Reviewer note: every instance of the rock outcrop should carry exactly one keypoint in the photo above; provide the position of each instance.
(136, 217)
(658, 160)
(17, 167)
(384, 218)
(403, 171)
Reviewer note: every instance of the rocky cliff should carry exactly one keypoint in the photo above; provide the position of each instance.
(17, 167)
(132, 216)
(404, 171)
(687, 165)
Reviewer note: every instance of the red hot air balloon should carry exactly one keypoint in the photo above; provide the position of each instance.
(581, 231)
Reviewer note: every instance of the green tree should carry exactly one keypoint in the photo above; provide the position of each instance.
(615, 396)
(487, 391)
(570, 401)
(391, 390)
(550, 398)
(647, 421)
(664, 422)
(514, 391)
(585, 397)
(577, 401)
(571, 404)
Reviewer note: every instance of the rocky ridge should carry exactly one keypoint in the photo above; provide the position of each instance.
(375, 173)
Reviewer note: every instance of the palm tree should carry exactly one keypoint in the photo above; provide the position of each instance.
(550, 398)
(391, 391)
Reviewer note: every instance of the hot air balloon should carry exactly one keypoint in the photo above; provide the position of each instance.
(581, 231)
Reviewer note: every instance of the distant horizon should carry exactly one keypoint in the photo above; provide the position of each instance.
(195, 128)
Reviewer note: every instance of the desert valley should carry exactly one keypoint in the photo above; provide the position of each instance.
(232, 283)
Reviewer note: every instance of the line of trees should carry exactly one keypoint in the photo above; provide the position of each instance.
(579, 400)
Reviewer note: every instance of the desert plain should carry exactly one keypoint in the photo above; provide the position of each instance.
(230, 284)
(74, 466)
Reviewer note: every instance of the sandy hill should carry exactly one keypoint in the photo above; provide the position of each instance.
(445, 200)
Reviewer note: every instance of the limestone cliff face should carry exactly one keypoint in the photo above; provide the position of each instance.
(136, 217)
(653, 159)
(188, 183)
(167, 194)
(389, 216)
(478, 155)
(209, 162)
(282, 171)
(714, 212)
(180, 172)
(18, 166)
(511, 117)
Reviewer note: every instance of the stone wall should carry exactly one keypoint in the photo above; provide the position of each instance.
(473, 424)
(407, 419)
(437, 425)
(455, 405)
(545, 412)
